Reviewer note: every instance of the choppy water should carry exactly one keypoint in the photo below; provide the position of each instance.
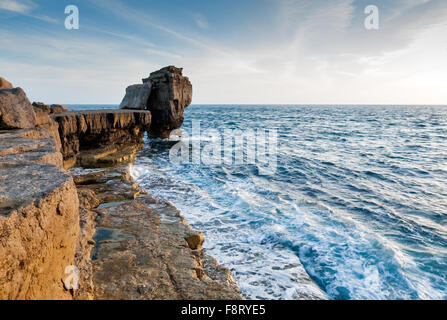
(359, 199)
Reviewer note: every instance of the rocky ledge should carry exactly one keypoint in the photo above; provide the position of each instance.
(124, 243)
(143, 247)
(89, 130)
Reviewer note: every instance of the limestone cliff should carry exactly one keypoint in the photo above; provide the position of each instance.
(47, 223)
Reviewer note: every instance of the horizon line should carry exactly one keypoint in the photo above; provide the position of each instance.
(278, 104)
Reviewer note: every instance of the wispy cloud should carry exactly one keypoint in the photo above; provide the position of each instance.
(19, 6)
(26, 8)
(311, 52)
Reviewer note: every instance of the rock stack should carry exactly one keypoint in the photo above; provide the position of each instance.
(166, 93)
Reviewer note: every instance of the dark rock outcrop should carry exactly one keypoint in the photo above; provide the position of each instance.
(16, 111)
(170, 93)
(83, 130)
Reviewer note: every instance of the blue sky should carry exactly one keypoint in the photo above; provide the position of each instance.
(251, 51)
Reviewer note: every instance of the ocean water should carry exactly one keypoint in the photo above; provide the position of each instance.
(358, 201)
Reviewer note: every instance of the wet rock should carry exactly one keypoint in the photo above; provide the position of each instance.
(136, 96)
(5, 84)
(16, 112)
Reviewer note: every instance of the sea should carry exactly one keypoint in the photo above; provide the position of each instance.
(356, 202)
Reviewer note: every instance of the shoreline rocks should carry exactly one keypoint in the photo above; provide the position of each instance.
(49, 224)
(16, 112)
(143, 247)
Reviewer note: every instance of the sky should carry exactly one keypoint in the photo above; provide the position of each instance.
(234, 52)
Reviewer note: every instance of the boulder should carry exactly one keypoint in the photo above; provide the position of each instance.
(58, 108)
(136, 96)
(4, 84)
(16, 112)
(40, 106)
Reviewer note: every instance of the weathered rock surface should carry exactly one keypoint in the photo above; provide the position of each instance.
(83, 130)
(36, 145)
(108, 156)
(39, 230)
(42, 107)
(5, 84)
(58, 108)
(144, 249)
(136, 96)
(142, 253)
(84, 248)
(169, 94)
(53, 109)
(16, 112)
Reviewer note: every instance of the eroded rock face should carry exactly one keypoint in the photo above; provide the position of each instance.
(136, 96)
(16, 112)
(83, 130)
(5, 84)
(170, 93)
(39, 230)
(36, 145)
